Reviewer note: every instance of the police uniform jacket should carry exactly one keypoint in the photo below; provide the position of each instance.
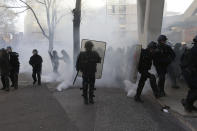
(87, 62)
(36, 62)
(145, 61)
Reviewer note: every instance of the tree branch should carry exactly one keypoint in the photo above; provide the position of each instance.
(22, 11)
(60, 18)
(35, 16)
(40, 2)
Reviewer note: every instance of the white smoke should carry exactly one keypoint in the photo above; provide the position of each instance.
(130, 88)
(103, 27)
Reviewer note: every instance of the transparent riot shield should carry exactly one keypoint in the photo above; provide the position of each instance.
(99, 47)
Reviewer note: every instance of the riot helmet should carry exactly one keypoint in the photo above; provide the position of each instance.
(9, 49)
(152, 45)
(89, 45)
(162, 39)
(195, 40)
(177, 46)
(35, 51)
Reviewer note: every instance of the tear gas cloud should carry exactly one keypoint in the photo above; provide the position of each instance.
(95, 25)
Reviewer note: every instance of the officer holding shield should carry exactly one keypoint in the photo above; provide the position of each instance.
(144, 66)
(87, 63)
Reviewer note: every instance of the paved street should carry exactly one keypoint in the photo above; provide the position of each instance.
(32, 109)
(41, 109)
(114, 111)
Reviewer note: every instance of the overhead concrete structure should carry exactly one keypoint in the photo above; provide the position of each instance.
(150, 17)
(191, 11)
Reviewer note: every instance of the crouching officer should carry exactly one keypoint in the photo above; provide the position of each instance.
(36, 62)
(4, 69)
(144, 66)
(163, 57)
(14, 67)
(189, 71)
(86, 63)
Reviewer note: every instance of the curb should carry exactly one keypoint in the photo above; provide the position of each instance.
(178, 116)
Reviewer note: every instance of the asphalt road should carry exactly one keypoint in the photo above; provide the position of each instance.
(40, 109)
(32, 109)
(113, 111)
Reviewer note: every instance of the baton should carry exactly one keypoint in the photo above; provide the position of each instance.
(75, 78)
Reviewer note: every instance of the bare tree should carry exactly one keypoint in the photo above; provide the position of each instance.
(52, 21)
(7, 21)
(52, 15)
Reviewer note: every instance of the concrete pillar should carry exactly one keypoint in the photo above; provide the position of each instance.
(141, 10)
(150, 17)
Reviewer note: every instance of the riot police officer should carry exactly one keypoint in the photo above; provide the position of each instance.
(36, 62)
(189, 71)
(86, 63)
(4, 69)
(14, 67)
(163, 57)
(144, 66)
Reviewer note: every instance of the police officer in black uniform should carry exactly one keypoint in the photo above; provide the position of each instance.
(14, 67)
(163, 57)
(86, 63)
(36, 62)
(4, 69)
(144, 66)
(189, 71)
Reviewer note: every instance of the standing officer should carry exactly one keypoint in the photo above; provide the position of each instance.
(4, 69)
(189, 71)
(36, 62)
(86, 63)
(144, 66)
(14, 67)
(164, 55)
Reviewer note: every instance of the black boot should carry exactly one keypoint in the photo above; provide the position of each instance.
(194, 108)
(85, 94)
(34, 82)
(157, 95)
(91, 95)
(154, 86)
(162, 92)
(39, 79)
(39, 83)
(186, 106)
(91, 100)
(16, 87)
(7, 89)
(138, 99)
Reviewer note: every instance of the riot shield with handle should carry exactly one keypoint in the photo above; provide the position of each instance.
(99, 47)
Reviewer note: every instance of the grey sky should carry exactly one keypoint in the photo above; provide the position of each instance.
(178, 5)
(172, 5)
